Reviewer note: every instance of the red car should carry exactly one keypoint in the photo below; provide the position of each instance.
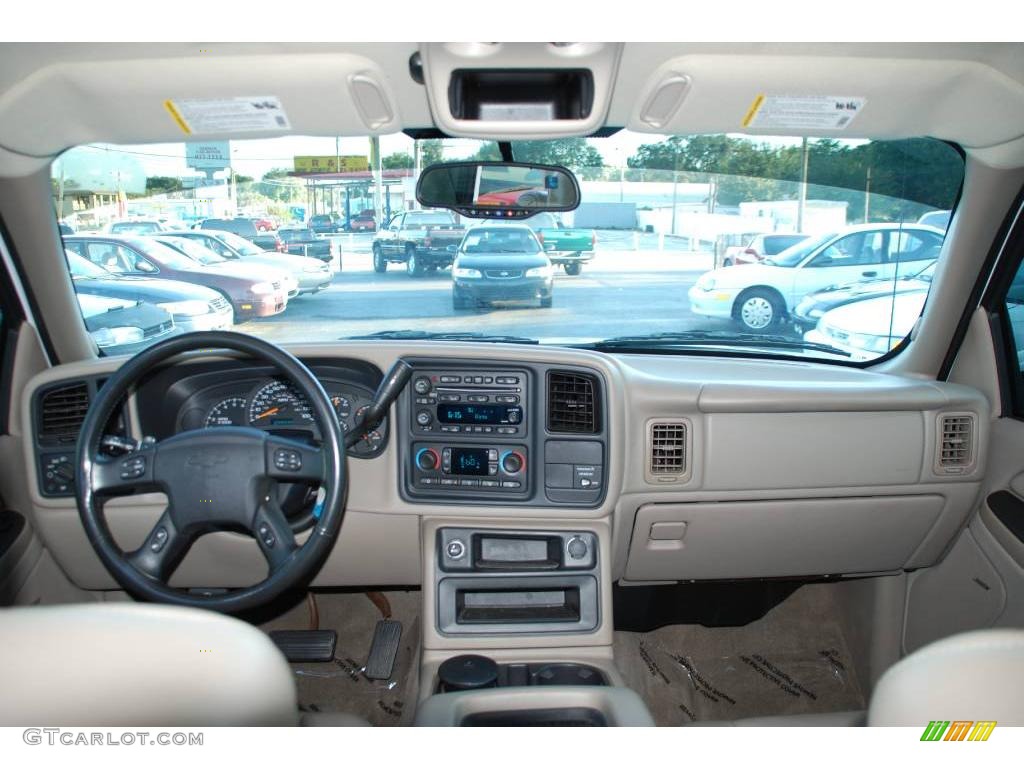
(363, 222)
(263, 225)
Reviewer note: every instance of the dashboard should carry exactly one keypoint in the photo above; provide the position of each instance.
(697, 467)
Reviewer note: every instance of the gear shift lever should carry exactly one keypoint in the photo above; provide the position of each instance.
(390, 388)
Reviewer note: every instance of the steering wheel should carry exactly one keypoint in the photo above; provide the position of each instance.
(217, 478)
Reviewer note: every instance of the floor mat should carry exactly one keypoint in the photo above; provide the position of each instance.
(794, 660)
(340, 686)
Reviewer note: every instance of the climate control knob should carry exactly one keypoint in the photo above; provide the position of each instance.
(427, 459)
(421, 385)
(424, 418)
(512, 462)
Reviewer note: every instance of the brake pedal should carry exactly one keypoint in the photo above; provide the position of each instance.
(301, 645)
(381, 661)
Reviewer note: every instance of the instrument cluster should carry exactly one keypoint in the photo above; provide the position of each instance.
(276, 405)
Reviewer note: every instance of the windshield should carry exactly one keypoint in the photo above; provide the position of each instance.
(674, 234)
(193, 249)
(795, 254)
(498, 241)
(166, 255)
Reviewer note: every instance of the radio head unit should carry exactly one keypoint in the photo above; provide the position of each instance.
(469, 402)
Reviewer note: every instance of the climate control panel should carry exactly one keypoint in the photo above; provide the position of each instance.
(473, 468)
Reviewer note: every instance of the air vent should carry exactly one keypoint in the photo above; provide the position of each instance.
(61, 413)
(668, 450)
(956, 443)
(573, 403)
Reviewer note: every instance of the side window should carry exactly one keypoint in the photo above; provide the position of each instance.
(913, 246)
(75, 247)
(1014, 313)
(214, 245)
(856, 250)
(396, 221)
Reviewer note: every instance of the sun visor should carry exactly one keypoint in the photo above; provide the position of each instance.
(962, 101)
(197, 99)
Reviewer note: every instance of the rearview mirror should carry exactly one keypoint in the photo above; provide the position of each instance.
(498, 190)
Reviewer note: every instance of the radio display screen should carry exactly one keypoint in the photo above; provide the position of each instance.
(469, 461)
(458, 413)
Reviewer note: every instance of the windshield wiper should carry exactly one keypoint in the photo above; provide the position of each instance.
(411, 335)
(707, 339)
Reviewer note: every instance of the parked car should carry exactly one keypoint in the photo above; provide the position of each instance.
(206, 257)
(570, 248)
(135, 227)
(264, 224)
(760, 296)
(302, 241)
(193, 307)
(814, 305)
(501, 264)
(937, 219)
(124, 327)
(250, 291)
(728, 239)
(326, 224)
(869, 328)
(312, 274)
(364, 221)
(760, 247)
(246, 228)
(421, 240)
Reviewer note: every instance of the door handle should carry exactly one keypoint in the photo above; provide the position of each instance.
(869, 274)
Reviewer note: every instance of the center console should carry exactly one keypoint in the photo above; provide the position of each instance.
(509, 582)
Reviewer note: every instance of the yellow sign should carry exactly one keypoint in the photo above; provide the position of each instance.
(331, 163)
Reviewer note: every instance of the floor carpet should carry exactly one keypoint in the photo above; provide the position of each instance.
(794, 660)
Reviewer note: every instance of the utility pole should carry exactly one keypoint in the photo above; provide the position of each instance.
(675, 188)
(867, 196)
(377, 169)
(803, 187)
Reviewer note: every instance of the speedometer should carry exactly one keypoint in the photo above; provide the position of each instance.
(277, 404)
(227, 413)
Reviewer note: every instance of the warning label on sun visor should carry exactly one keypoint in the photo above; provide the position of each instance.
(803, 112)
(228, 116)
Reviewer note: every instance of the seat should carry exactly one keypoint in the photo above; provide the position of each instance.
(972, 676)
(131, 664)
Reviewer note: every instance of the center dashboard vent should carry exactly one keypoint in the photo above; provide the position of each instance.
(955, 454)
(61, 413)
(573, 403)
(668, 450)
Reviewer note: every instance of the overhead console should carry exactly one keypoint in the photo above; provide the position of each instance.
(520, 90)
(528, 434)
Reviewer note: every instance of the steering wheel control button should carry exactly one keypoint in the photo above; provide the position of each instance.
(266, 535)
(159, 539)
(133, 468)
(455, 550)
(287, 460)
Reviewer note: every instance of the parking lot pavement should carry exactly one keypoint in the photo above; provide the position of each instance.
(619, 292)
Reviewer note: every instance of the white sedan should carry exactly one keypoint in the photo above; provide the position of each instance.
(760, 296)
(868, 329)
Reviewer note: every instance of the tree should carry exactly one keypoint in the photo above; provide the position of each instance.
(161, 185)
(278, 184)
(431, 151)
(398, 161)
(573, 153)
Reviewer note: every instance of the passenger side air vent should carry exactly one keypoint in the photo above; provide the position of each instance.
(955, 451)
(61, 413)
(573, 403)
(668, 450)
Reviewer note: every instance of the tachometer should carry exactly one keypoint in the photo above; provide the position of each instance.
(227, 413)
(277, 404)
